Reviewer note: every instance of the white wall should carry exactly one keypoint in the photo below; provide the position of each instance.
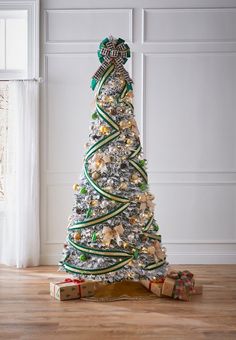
(184, 69)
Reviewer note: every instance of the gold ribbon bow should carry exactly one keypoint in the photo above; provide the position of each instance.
(109, 234)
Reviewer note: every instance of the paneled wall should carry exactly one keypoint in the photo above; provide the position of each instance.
(184, 68)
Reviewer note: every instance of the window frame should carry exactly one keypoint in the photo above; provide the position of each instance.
(32, 8)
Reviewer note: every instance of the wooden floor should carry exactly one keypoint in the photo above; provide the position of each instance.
(28, 312)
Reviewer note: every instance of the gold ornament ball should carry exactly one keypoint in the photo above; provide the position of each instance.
(129, 94)
(129, 141)
(129, 123)
(133, 220)
(110, 99)
(95, 175)
(123, 124)
(77, 236)
(94, 203)
(104, 129)
(125, 244)
(76, 187)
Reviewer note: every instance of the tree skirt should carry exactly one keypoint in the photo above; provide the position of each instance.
(125, 290)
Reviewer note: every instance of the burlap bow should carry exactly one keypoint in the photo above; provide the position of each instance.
(157, 251)
(116, 52)
(146, 202)
(109, 234)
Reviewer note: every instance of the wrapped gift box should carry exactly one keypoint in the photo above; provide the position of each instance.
(154, 286)
(179, 285)
(72, 289)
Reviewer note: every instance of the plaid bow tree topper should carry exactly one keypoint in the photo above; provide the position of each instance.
(116, 52)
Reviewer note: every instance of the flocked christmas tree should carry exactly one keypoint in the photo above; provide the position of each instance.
(112, 233)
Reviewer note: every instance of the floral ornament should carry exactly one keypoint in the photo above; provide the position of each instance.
(146, 201)
(109, 234)
(99, 161)
(157, 251)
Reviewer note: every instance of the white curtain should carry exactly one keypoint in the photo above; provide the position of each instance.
(19, 234)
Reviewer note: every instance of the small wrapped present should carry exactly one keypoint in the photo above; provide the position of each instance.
(178, 285)
(72, 289)
(154, 286)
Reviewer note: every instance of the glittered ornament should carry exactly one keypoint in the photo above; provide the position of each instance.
(94, 115)
(77, 236)
(125, 124)
(105, 130)
(129, 96)
(83, 257)
(125, 245)
(132, 220)
(95, 175)
(83, 190)
(129, 141)
(76, 187)
(94, 203)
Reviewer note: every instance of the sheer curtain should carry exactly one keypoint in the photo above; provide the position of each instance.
(19, 235)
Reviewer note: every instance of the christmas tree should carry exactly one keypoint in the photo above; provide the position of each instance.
(112, 233)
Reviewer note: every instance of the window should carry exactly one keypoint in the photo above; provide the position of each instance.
(18, 60)
(19, 39)
(13, 40)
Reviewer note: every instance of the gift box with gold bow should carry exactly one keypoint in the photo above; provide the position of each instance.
(72, 289)
(179, 285)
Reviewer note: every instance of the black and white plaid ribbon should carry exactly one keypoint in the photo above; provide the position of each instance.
(113, 54)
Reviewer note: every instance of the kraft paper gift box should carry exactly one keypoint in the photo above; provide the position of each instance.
(153, 286)
(179, 285)
(72, 289)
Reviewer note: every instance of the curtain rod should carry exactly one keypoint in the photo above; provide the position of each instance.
(40, 80)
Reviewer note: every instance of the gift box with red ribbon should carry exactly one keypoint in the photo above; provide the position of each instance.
(72, 289)
(179, 285)
(154, 286)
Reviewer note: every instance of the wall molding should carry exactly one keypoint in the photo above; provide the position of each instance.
(83, 10)
(184, 10)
